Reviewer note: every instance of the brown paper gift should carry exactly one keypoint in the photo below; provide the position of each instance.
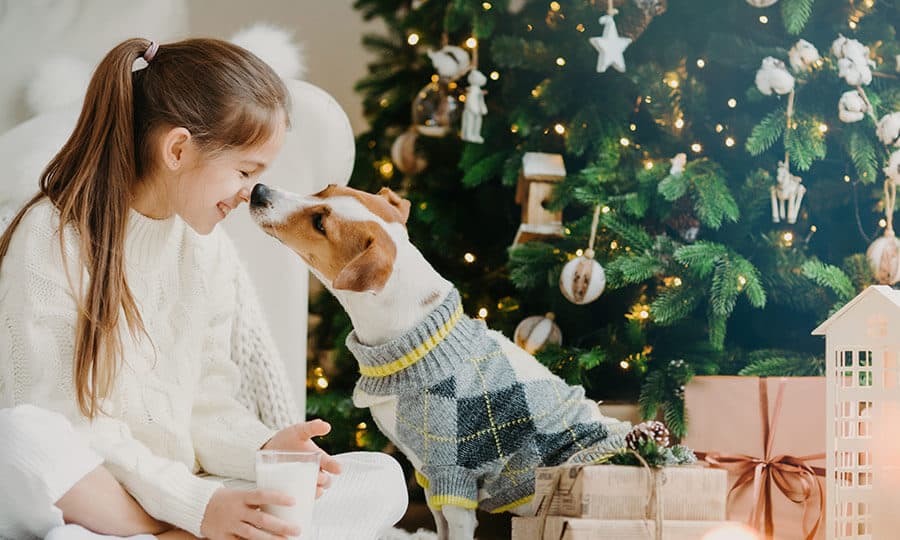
(615, 492)
(770, 436)
(568, 528)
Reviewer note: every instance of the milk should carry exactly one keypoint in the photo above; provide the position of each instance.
(297, 479)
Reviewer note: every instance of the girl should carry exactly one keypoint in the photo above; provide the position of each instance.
(126, 319)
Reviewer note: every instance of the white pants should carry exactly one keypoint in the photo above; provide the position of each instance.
(365, 499)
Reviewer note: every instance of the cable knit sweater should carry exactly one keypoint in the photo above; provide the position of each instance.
(179, 404)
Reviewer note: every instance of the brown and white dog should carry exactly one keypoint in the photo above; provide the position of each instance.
(357, 244)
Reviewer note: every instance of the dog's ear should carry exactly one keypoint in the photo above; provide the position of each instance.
(398, 202)
(370, 270)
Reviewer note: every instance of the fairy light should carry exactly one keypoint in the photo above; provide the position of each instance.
(677, 282)
(486, 6)
(852, 25)
(624, 141)
(559, 128)
(423, 206)
(560, 61)
(580, 27)
(613, 245)
(823, 128)
(719, 128)
(673, 83)
(536, 91)
(514, 128)
(412, 39)
(846, 178)
(632, 127)
(554, 6)
(729, 141)
(813, 228)
(568, 231)
(471, 43)
(605, 209)
(648, 165)
(644, 314)
(495, 75)
(741, 282)
(882, 223)
(701, 63)
(648, 99)
(386, 169)
(383, 102)
(697, 147)
(469, 258)
(482, 313)
(624, 364)
(529, 27)
(321, 383)
(732, 103)
(579, 252)
(788, 238)
(679, 123)
(763, 19)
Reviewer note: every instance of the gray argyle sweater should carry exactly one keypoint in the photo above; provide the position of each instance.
(477, 423)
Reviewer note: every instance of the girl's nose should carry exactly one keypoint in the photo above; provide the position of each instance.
(244, 195)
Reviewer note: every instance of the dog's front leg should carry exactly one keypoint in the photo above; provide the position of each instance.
(439, 521)
(461, 522)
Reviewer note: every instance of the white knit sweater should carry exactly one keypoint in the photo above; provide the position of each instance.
(178, 405)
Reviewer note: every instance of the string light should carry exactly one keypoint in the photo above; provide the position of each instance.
(813, 228)
(882, 223)
(644, 314)
(560, 61)
(852, 25)
(679, 123)
(729, 141)
(846, 179)
(673, 83)
(648, 165)
(580, 27)
(469, 258)
(482, 313)
(386, 169)
(554, 6)
(605, 209)
(423, 206)
(648, 99)
(471, 43)
(514, 128)
(677, 282)
(624, 141)
(559, 128)
(412, 39)
(362, 425)
(529, 27)
(383, 102)
(486, 5)
(568, 231)
(732, 103)
(696, 147)
(701, 63)
(624, 364)
(719, 128)
(788, 238)
(741, 282)
(632, 127)
(495, 75)
(536, 91)
(823, 128)
(613, 245)
(579, 252)
(763, 19)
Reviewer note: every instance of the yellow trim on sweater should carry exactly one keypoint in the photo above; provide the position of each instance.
(510, 506)
(452, 500)
(416, 354)
(422, 481)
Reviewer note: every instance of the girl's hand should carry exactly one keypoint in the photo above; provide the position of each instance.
(234, 513)
(296, 438)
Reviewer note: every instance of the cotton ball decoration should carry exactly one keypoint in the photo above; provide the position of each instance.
(536, 332)
(854, 64)
(582, 279)
(275, 47)
(888, 129)
(451, 62)
(58, 82)
(884, 258)
(803, 56)
(892, 171)
(404, 155)
(678, 163)
(773, 76)
(852, 107)
(761, 3)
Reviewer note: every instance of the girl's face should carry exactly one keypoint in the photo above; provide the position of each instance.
(209, 188)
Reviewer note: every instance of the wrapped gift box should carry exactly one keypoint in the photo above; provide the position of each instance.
(617, 492)
(742, 422)
(567, 528)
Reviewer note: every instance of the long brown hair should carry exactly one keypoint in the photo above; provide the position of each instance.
(222, 94)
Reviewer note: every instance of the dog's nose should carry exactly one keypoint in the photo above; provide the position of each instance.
(260, 195)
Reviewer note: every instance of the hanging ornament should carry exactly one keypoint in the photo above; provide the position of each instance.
(761, 3)
(803, 56)
(537, 179)
(404, 155)
(536, 332)
(436, 108)
(787, 195)
(582, 279)
(475, 108)
(884, 253)
(610, 46)
(892, 171)
(450, 62)
(888, 129)
(852, 107)
(773, 76)
(633, 22)
(678, 163)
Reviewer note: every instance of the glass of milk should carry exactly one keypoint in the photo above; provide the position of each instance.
(292, 473)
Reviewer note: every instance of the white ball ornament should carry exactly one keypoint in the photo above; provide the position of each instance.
(582, 279)
(761, 3)
(884, 259)
(536, 332)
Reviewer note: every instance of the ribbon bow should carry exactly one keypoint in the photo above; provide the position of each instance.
(792, 475)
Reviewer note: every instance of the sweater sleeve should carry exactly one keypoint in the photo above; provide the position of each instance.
(226, 434)
(37, 332)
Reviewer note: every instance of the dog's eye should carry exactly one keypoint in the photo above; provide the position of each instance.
(318, 222)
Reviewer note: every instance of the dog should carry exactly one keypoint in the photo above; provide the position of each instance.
(473, 412)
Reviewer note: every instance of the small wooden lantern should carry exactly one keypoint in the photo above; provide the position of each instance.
(862, 343)
(540, 172)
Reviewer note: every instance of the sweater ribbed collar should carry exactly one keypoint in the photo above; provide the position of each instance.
(425, 355)
(148, 239)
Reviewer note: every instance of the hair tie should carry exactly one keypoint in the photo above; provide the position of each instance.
(150, 53)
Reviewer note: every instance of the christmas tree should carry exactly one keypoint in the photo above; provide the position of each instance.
(729, 164)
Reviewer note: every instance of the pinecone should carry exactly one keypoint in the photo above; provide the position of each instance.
(645, 431)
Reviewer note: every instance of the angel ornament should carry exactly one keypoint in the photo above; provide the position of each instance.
(475, 107)
(789, 192)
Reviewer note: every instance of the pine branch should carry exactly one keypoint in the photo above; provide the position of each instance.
(633, 235)
(700, 257)
(717, 327)
(673, 187)
(864, 156)
(830, 276)
(484, 170)
(531, 265)
(634, 268)
(767, 132)
(713, 201)
(806, 143)
(785, 366)
(795, 14)
(674, 304)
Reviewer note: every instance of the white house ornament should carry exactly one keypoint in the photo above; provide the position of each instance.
(888, 129)
(404, 155)
(678, 163)
(884, 258)
(786, 195)
(761, 3)
(475, 108)
(536, 332)
(773, 77)
(803, 56)
(852, 107)
(582, 279)
(610, 46)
